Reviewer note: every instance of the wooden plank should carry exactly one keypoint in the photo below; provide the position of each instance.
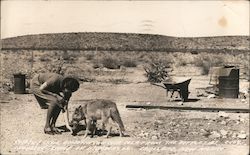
(232, 110)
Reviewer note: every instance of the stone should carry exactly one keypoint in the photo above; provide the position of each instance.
(148, 103)
(234, 135)
(146, 134)
(154, 137)
(205, 133)
(242, 136)
(241, 119)
(223, 132)
(141, 135)
(223, 114)
(173, 124)
(214, 134)
(160, 122)
(223, 122)
(169, 133)
(243, 100)
(211, 96)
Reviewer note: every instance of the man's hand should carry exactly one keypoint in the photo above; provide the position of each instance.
(59, 98)
(60, 101)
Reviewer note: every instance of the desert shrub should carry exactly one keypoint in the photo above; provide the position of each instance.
(205, 68)
(203, 64)
(76, 71)
(156, 72)
(117, 81)
(198, 62)
(129, 63)
(218, 60)
(246, 67)
(163, 58)
(167, 63)
(182, 61)
(89, 56)
(97, 64)
(70, 56)
(206, 61)
(55, 66)
(30, 60)
(6, 87)
(110, 63)
(5, 58)
(44, 58)
(66, 56)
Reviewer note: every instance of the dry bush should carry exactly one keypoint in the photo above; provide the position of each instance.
(114, 59)
(70, 56)
(181, 61)
(126, 58)
(82, 74)
(245, 59)
(156, 72)
(89, 56)
(163, 58)
(129, 63)
(117, 81)
(44, 58)
(206, 61)
(106, 59)
(110, 63)
(205, 67)
(55, 65)
(97, 64)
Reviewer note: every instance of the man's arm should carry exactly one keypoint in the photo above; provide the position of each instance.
(59, 98)
(43, 89)
(66, 117)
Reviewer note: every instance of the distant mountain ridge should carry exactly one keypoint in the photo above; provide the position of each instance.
(124, 42)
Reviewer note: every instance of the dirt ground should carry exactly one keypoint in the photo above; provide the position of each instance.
(147, 131)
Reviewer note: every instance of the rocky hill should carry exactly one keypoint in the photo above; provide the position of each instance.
(125, 42)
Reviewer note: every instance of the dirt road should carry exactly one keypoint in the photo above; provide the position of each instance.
(148, 131)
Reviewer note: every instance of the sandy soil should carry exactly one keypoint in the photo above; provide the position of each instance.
(148, 131)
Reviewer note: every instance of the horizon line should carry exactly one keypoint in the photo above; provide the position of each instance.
(125, 33)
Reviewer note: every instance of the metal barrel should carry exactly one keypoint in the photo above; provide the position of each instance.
(19, 83)
(229, 85)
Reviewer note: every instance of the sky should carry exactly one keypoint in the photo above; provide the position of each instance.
(171, 18)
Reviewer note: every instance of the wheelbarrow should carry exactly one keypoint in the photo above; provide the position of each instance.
(180, 87)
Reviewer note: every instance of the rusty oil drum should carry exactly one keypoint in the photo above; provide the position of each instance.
(19, 83)
(229, 85)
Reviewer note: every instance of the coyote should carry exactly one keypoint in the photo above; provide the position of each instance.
(98, 110)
